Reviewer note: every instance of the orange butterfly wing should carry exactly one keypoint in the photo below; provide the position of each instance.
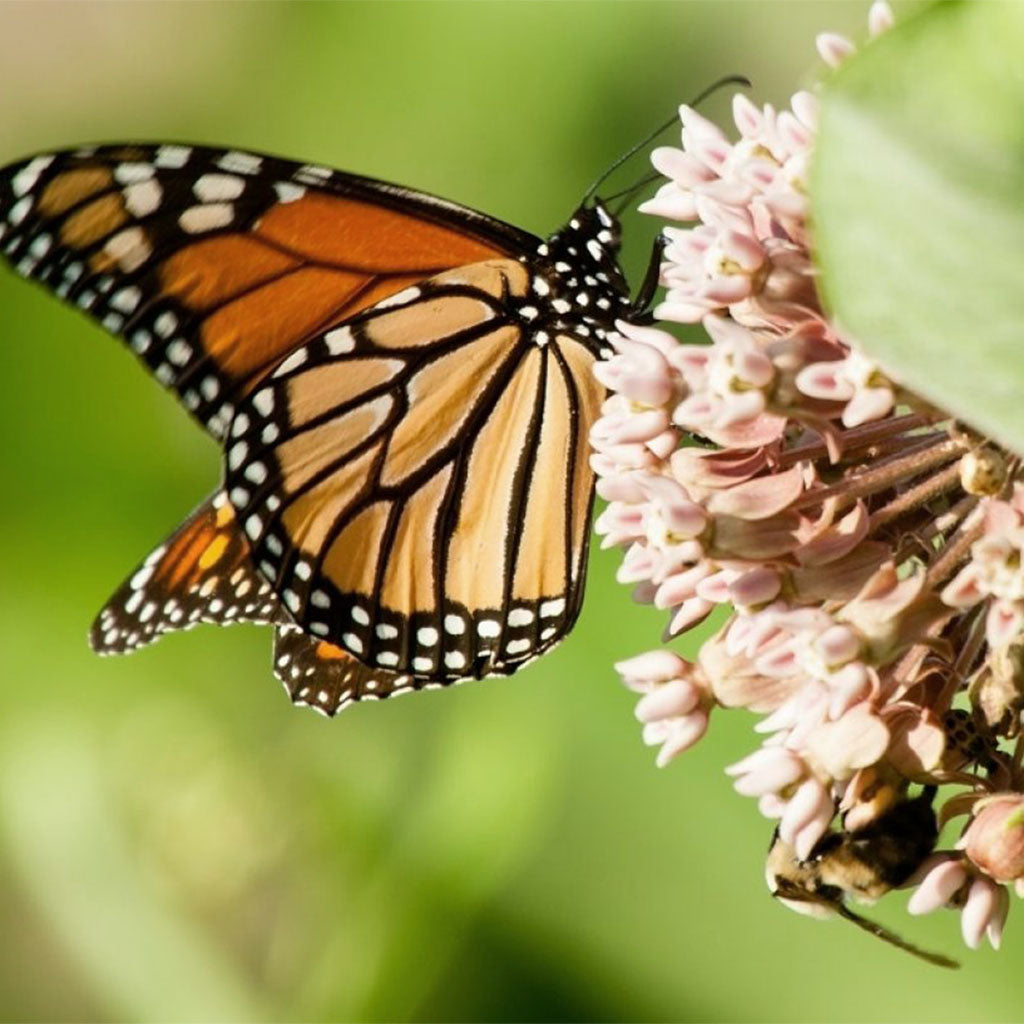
(416, 483)
(203, 572)
(213, 265)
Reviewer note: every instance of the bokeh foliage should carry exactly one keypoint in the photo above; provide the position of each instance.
(921, 246)
(176, 842)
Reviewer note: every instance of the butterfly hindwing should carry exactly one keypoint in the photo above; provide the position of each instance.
(202, 573)
(415, 482)
(214, 264)
(323, 676)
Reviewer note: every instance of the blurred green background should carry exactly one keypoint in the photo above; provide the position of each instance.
(177, 842)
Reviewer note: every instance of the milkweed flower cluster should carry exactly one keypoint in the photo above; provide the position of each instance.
(867, 549)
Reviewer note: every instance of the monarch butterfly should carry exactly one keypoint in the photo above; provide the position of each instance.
(402, 387)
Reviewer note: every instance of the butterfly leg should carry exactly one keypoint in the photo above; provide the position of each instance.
(652, 278)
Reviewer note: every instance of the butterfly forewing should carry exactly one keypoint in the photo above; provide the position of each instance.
(415, 481)
(213, 265)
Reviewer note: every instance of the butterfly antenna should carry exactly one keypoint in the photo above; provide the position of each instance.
(627, 194)
(883, 933)
(699, 98)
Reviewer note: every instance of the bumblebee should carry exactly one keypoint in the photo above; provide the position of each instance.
(863, 863)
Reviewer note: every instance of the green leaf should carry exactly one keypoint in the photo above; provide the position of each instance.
(918, 198)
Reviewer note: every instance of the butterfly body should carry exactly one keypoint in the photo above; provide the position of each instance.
(402, 387)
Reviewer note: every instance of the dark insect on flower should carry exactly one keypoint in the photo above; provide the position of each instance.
(862, 863)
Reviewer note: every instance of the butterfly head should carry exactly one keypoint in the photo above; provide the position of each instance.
(583, 259)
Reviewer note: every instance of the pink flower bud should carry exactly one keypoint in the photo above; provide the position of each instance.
(805, 105)
(756, 587)
(833, 48)
(690, 612)
(995, 838)
(856, 740)
(837, 645)
(768, 770)
(880, 18)
(681, 734)
(671, 203)
(943, 877)
(684, 169)
(625, 429)
(656, 666)
(749, 119)
(619, 487)
(806, 817)
(639, 564)
(984, 912)
(673, 699)
(639, 372)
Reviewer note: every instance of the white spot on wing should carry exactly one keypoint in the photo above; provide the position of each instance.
(256, 472)
(401, 298)
(128, 174)
(165, 324)
(216, 188)
(293, 362)
(19, 211)
(240, 163)
(40, 246)
(264, 401)
(198, 219)
(173, 156)
(141, 578)
(25, 180)
(126, 300)
(339, 341)
(179, 352)
(288, 191)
